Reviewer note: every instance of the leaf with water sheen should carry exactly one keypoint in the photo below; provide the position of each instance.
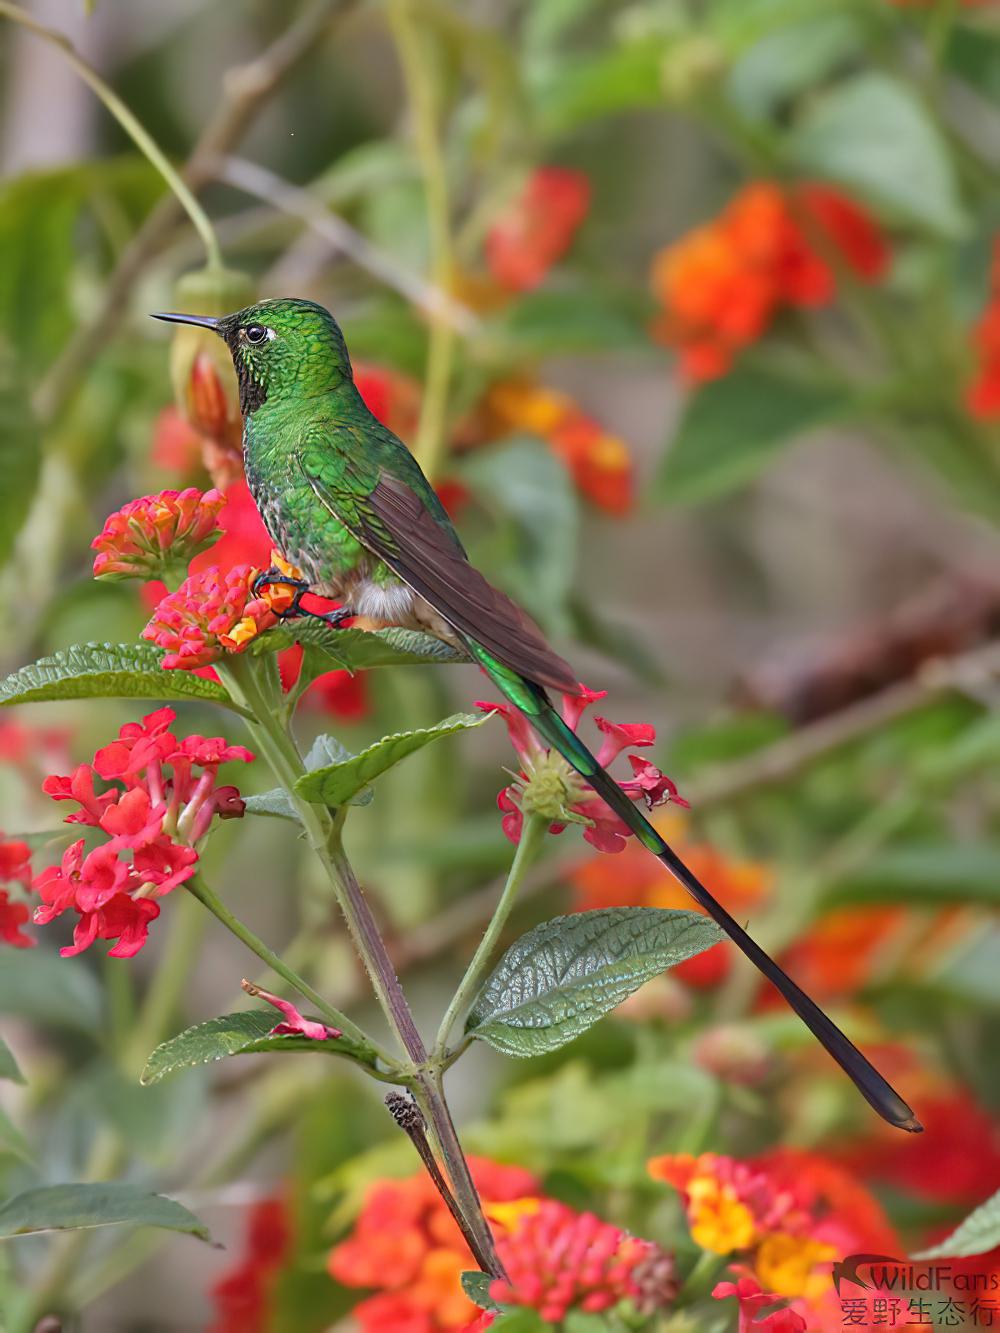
(338, 783)
(107, 671)
(72, 1207)
(566, 974)
(979, 1233)
(242, 1033)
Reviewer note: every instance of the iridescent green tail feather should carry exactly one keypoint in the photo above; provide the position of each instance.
(534, 703)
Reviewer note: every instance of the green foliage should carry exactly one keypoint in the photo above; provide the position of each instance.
(107, 671)
(52, 991)
(12, 1142)
(8, 1065)
(566, 974)
(733, 427)
(477, 1287)
(336, 784)
(979, 1233)
(71, 1207)
(529, 491)
(20, 452)
(923, 874)
(872, 133)
(244, 1033)
(355, 649)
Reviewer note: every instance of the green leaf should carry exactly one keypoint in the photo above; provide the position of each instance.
(338, 783)
(563, 322)
(12, 1141)
(978, 1233)
(242, 1033)
(794, 59)
(73, 1207)
(49, 990)
(20, 453)
(567, 973)
(358, 649)
(732, 428)
(8, 1065)
(923, 875)
(872, 133)
(275, 803)
(588, 87)
(107, 671)
(477, 1287)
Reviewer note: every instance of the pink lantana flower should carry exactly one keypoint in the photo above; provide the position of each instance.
(161, 801)
(155, 536)
(547, 785)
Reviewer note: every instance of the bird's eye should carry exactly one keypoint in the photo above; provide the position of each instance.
(255, 333)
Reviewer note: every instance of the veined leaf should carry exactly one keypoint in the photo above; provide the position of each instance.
(978, 1233)
(358, 649)
(733, 427)
(107, 671)
(338, 783)
(567, 973)
(72, 1207)
(8, 1065)
(243, 1033)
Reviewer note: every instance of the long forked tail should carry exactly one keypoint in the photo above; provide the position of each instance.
(534, 703)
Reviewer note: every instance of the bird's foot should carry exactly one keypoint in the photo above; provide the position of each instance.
(335, 619)
(278, 577)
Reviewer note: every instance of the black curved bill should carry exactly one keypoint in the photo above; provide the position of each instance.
(203, 321)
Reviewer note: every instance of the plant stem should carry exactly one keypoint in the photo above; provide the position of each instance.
(210, 899)
(245, 679)
(532, 838)
(405, 24)
(136, 131)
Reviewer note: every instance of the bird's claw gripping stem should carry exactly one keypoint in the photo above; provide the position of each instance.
(293, 612)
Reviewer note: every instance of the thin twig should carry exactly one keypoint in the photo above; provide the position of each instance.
(246, 90)
(969, 674)
(260, 183)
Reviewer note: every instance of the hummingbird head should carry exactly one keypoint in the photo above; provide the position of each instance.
(280, 348)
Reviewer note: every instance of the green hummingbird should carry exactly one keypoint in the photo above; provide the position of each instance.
(345, 501)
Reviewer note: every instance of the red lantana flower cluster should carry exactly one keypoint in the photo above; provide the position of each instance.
(722, 285)
(213, 613)
(15, 868)
(547, 785)
(752, 1300)
(537, 228)
(161, 798)
(558, 1260)
(150, 537)
(406, 1245)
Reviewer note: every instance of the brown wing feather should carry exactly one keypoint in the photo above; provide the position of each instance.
(427, 558)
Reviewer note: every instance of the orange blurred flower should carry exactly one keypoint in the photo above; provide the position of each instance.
(537, 228)
(634, 880)
(723, 284)
(835, 955)
(598, 461)
(406, 1246)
